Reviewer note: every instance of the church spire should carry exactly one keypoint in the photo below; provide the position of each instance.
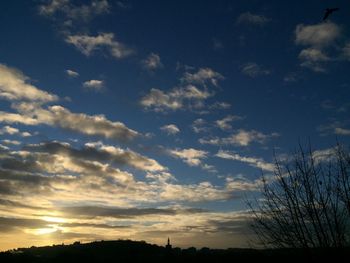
(168, 246)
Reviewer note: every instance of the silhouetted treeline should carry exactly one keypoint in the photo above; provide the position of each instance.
(134, 251)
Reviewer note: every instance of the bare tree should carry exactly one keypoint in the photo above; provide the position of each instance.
(306, 203)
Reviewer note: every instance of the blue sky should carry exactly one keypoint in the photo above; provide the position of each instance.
(159, 116)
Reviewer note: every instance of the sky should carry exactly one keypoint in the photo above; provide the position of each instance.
(146, 120)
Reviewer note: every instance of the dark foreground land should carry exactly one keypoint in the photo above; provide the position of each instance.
(134, 251)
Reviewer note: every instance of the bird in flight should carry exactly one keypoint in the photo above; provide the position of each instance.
(328, 12)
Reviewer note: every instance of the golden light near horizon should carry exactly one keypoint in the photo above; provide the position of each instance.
(54, 219)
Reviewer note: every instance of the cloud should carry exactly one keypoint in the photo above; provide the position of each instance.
(336, 127)
(11, 142)
(97, 151)
(252, 19)
(346, 51)
(95, 125)
(318, 37)
(170, 129)
(152, 62)
(313, 59)
(253, 70)
(45, 171)
(199, 125)
(58, 116)
(224, 124)
(104, 41)
(252, 161)
(13, 131)
(190, 94)
(341, 131)
(28, 102)
(94, 84)
(73, 12)
(202, 76)
(240, 138)
(175, 99)
(14, 86)
(117, 212)
(190, 156)
(241, 183)
(219, 105)
(72, 73)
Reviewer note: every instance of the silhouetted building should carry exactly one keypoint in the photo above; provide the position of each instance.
(168, 246)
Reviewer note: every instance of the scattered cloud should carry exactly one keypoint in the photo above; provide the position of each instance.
(240, 138)
(342, 131)
(11, 142)
(175, 99)
(254, 70)
(220, 106)
(15, 86)
(252, 161)
(73, 12)
(104, 41)
(97, 151)
(191, 94)
(199, 125)
(13, 131)
(202, 76)
(335, 127)
(190, 156)
(317, 35)
(94, 84)
(318, 38)
(224, 124)
(152, 62)
(170, 129)
(249, 18)
(72, 73)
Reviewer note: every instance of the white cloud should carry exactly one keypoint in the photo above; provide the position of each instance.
(240, 138)
(89, 44)
(319, 35)
(252, 19)
(220, 105)
(94, 84)
(152, 62)
(199, 125)
(74, 12)
(224, 124)
(190, 156)
(253, 70)
(202, 76)
(312, 58)
(14, 86)
(191, 94)
(175, 99)
(13, 131)
(252, 161)
(72, 73)
(170, 129)
(31, 112)
(11, 142)
(93, 125)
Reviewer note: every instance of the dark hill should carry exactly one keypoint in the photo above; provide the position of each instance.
(139, 251)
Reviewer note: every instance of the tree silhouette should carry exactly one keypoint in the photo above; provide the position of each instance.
(306, 203)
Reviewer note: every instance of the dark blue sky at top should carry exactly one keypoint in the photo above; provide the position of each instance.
(184, 32)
